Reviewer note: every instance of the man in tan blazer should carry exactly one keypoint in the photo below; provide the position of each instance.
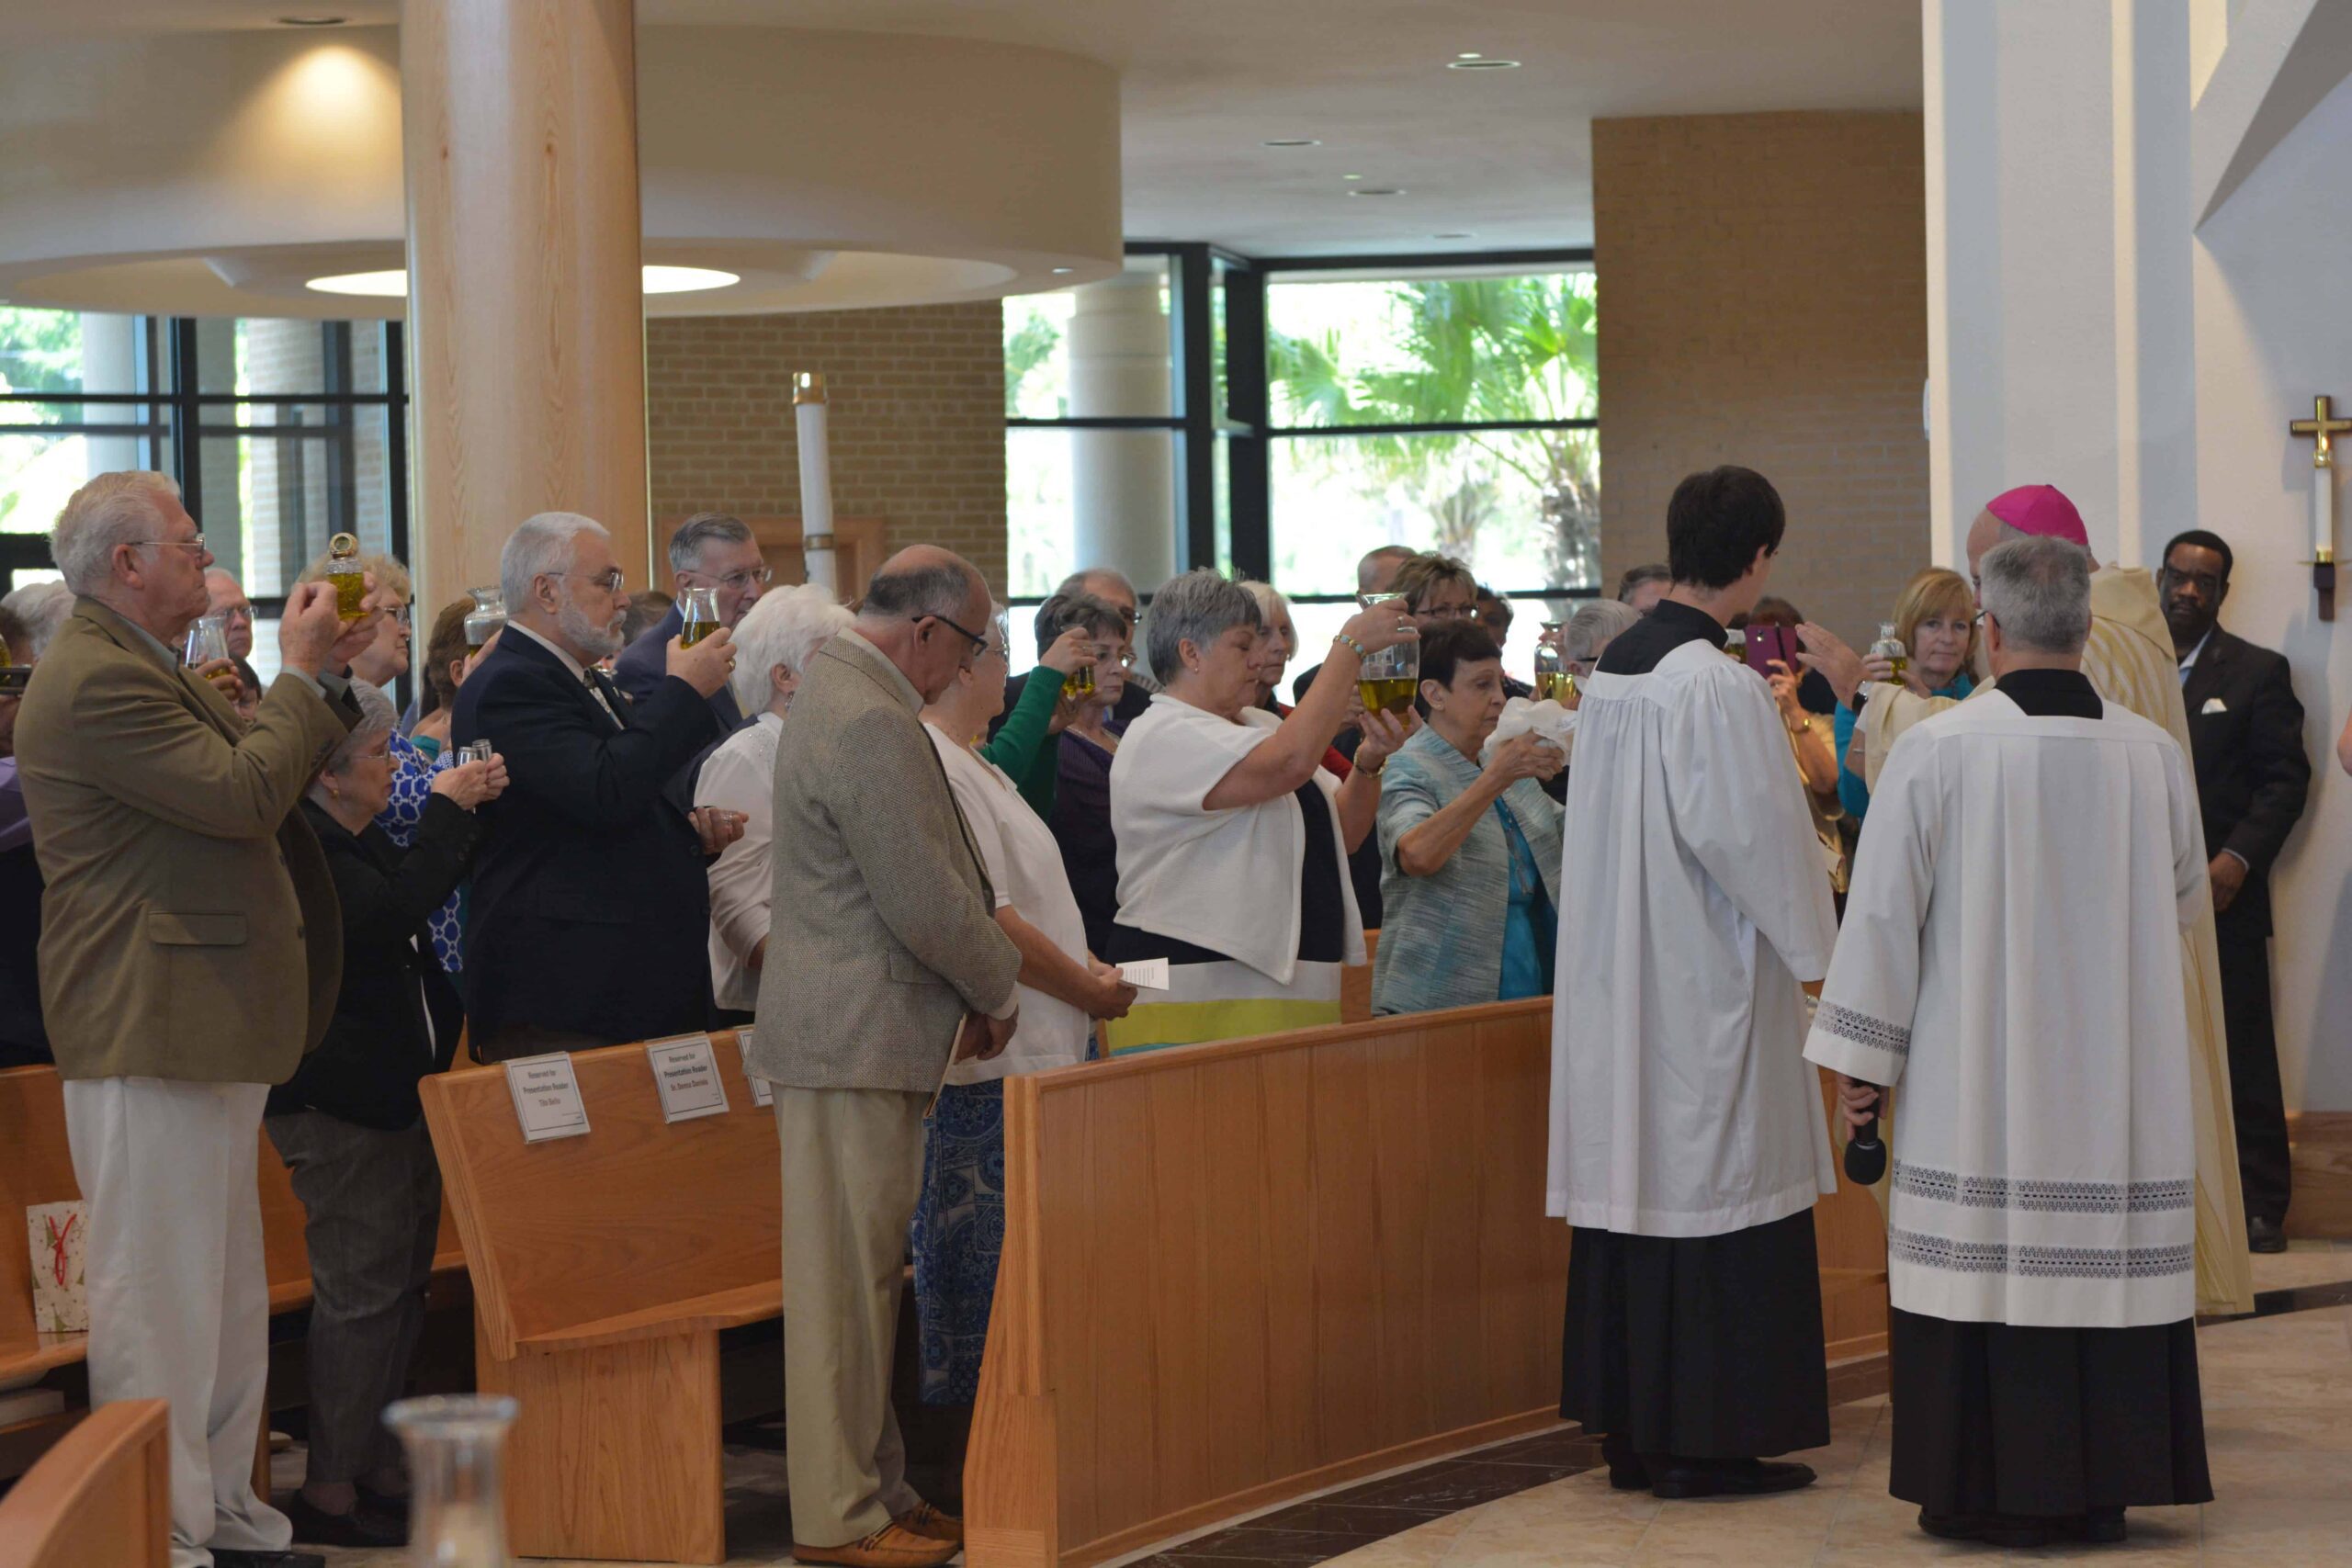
(190, 956)
(883, 958)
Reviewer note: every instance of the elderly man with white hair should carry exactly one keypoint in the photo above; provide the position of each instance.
(2011, 955)
(773, 644)
(190, 953)
(588, 914)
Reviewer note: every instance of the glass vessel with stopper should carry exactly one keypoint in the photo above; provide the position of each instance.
(1890, 648)
(487, 617)
(1551, 680)
(458, 1505)
(347, 576)
(1079, 683)
(697, 615)
(1736, 645)
(1390, 678)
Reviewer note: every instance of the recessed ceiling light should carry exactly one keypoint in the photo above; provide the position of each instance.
(310, 21)
(1292, 142)
(392, 283)
(686, 280)
(1064, 271)
(1377, 190)
(1352, 176)
(1480, 62)
(1470, 56)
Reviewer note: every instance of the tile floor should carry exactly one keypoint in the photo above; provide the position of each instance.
(2278, 1431)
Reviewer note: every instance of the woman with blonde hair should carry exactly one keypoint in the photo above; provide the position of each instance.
(1935, 617)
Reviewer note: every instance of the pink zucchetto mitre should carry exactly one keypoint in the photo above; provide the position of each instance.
(2043, 511)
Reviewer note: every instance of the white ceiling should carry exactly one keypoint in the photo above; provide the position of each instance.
(1502, 155)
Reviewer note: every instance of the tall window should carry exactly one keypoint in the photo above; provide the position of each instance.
(1322, 407)
(281, 433)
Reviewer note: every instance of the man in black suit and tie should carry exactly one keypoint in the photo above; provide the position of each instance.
(709, 550)
(2246, 729)
(590, 909)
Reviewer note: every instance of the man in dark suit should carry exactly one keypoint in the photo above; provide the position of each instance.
(710, 551)
(2246, 729)
(590, 912)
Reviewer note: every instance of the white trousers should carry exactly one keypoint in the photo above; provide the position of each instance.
(180, 1293)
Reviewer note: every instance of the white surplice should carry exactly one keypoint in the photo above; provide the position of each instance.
(2012, 955)
(1692, 905)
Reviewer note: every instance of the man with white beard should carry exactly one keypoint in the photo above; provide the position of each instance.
(1687, 1140)
(589, 907)
(2011, 955)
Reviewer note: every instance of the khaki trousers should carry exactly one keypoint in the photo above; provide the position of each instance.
(852, 1170)
(179, 1290)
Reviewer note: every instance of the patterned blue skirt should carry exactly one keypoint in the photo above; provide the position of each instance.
(957, 1236)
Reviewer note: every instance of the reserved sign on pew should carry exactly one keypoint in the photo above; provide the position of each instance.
(762, 1093)
(546, 1096)
(686, 1074)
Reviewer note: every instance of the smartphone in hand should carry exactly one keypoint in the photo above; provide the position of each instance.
(1767, 643)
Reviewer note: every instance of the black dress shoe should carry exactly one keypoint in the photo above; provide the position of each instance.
(383, 1503)
(2265, 1236)
(2103, 1527)
(1725, 1477)
(314, 1526)
(228, 1557)
(1952, 1526)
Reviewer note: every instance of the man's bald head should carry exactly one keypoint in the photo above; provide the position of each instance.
(924, 580)
(925, 609)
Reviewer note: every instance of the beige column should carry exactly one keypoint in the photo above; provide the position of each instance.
(526, 309)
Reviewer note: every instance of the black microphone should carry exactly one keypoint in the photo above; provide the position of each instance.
(1865, 1153)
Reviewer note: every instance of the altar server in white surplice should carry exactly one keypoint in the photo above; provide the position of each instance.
(2012, 955)
(1687, 1140)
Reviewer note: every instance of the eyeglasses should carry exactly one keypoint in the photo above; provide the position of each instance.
(610, 581)
(739, 581)
(242, 610)
(193, 542)
(1449, 613)
(980, 644)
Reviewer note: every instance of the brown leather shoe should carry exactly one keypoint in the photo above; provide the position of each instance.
(892, 1546)
(926, 1520)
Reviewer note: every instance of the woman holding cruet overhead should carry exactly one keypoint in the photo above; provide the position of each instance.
(1233, 837)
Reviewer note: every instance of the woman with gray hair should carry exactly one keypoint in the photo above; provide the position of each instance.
(350, 1127)
(773, 643)
(1233, 837)
(1592, 627)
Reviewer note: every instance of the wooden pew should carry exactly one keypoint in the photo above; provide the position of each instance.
(36, 1166)
(101, 1498)
(1238, 1272)
(603, 1267)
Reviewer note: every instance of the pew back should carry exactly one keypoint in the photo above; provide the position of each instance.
(35, 1166)
(639, 1228)
(101, 1497)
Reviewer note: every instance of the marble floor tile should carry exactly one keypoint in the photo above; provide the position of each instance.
(2304, 1263)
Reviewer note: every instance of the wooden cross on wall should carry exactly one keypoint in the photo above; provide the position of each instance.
(2321, 430)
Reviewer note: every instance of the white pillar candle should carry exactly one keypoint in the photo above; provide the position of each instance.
(2324, 511)
(816, 477)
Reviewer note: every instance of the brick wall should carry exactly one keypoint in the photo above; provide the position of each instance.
(917, 419)
(1764, 292)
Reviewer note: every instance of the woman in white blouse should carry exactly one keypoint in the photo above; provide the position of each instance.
(1234, 838)
(959, 1220)
(773, 644)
